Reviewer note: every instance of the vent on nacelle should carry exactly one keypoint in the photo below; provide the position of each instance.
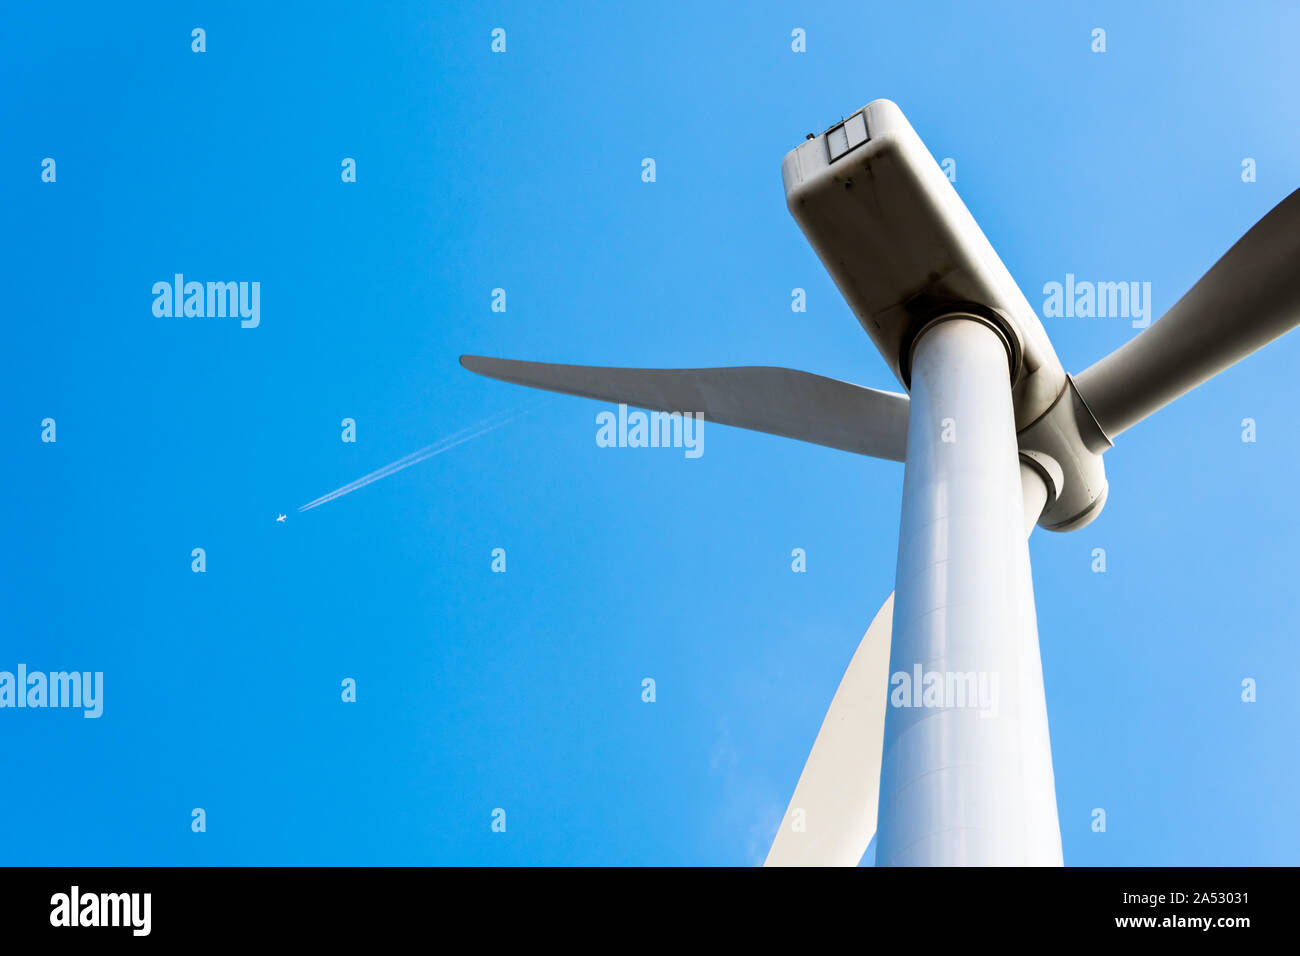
(847, 136)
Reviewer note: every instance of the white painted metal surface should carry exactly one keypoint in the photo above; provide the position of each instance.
(1033, 493)
(966, 777)
(832, 815)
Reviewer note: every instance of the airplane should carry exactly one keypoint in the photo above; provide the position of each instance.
(280, 518)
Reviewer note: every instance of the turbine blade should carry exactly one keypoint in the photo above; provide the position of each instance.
(832, 815)
(778, 401)
(1247, 299)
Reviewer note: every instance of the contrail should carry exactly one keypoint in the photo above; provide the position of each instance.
(415, 457)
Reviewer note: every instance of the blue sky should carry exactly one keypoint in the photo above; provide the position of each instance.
(522, 171)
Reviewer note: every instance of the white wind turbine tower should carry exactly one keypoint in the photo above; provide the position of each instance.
(996, 438)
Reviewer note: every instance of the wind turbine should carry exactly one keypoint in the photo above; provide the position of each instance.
(936, 739)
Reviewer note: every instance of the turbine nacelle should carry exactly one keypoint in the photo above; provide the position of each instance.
(903, 249)
(905, 253)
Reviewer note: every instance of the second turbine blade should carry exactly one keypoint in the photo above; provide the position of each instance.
(778, 401)
(832, 814)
